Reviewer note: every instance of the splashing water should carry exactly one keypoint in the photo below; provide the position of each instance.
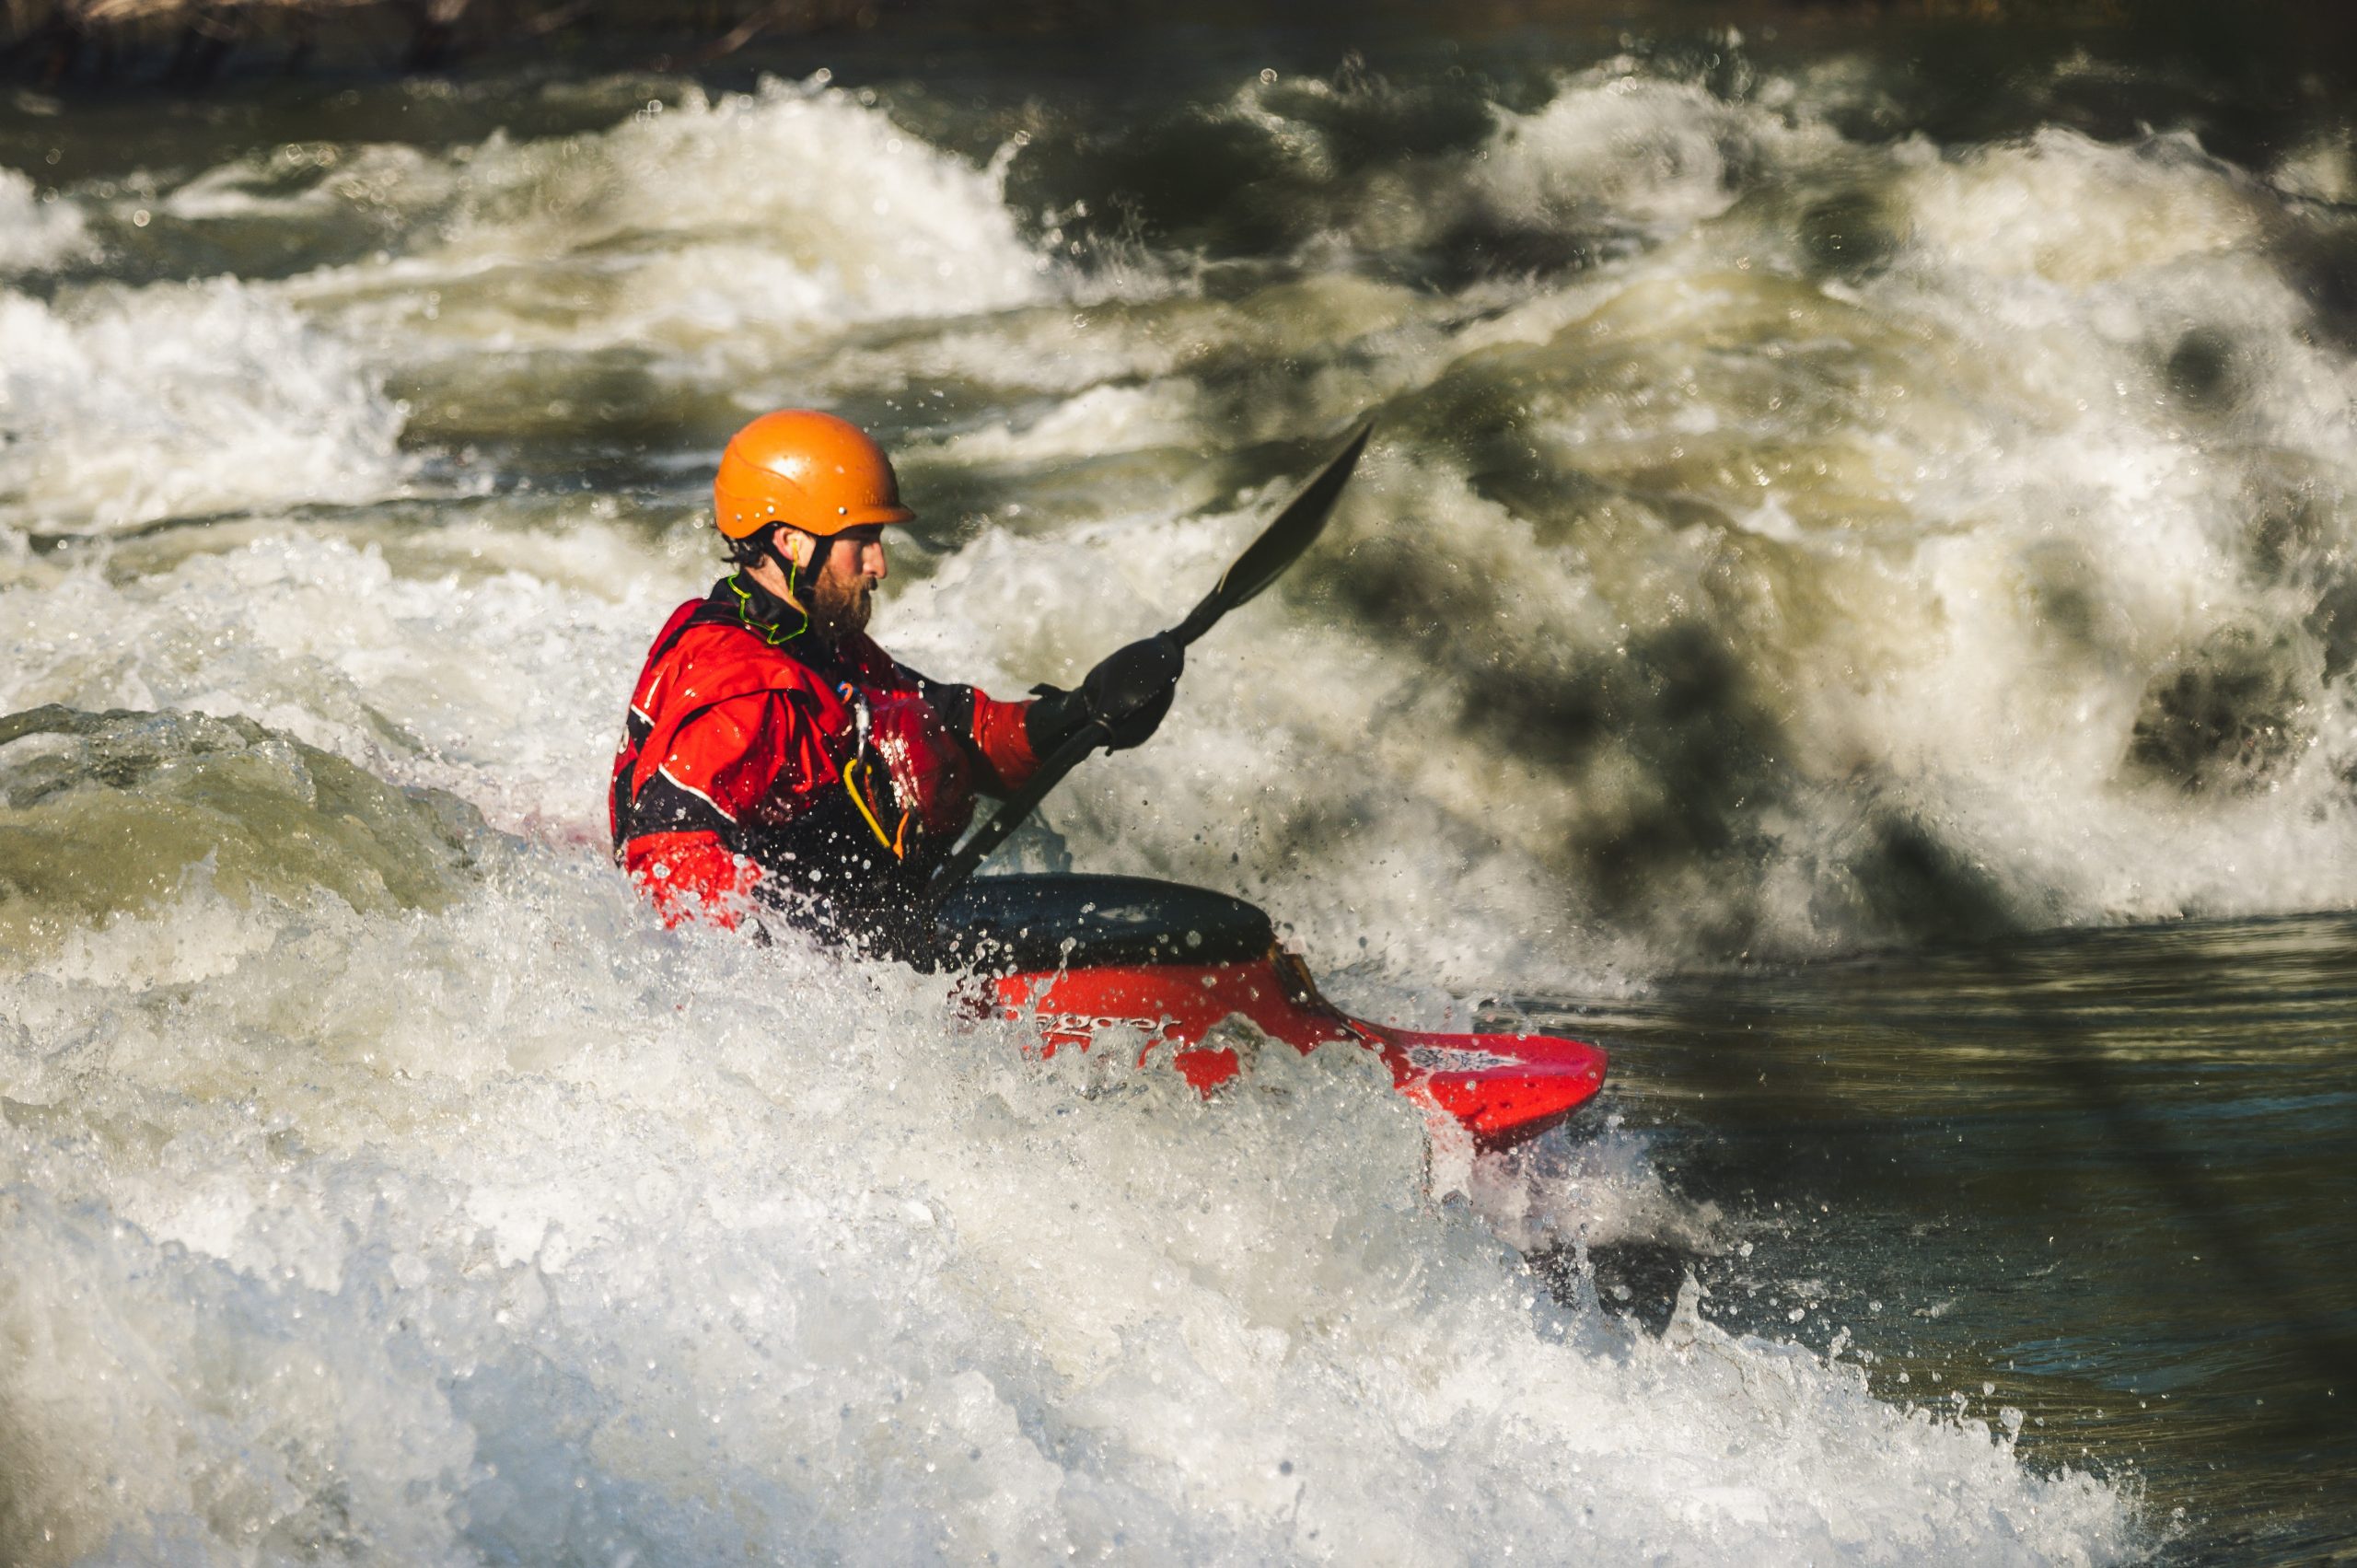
(1778, 540)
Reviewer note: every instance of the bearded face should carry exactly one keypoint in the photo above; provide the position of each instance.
(842, 575)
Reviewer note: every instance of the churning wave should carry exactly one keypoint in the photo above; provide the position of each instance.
(1777, 539)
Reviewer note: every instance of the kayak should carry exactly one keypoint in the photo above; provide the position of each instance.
(1080, 955)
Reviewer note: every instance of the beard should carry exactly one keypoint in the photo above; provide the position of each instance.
(839, 606)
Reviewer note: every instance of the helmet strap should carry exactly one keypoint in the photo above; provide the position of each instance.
(773, 633)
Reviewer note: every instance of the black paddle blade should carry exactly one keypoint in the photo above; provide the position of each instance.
(1280, 544)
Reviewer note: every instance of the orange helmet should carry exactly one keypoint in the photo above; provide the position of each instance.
(808, 470)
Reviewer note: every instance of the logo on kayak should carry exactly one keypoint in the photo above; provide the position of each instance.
(1099, 1023)
(1456, 1059)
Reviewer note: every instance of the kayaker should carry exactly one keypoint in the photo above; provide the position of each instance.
(775, 757)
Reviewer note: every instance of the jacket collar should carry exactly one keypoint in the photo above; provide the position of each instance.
(763, 613)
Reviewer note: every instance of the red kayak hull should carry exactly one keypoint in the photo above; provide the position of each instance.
(1500, 1088)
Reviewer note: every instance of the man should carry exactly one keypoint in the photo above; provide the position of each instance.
(775, 755)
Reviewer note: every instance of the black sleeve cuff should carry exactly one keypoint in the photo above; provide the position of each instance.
(1055, 717)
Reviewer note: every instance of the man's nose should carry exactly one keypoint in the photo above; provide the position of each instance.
(875, 564)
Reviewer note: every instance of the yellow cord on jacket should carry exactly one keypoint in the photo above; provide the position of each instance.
(897, 842)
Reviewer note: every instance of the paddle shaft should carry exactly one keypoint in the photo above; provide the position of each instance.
(1279, 546)
(1013, 810)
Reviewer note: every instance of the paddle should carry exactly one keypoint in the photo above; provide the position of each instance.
(1280, 545)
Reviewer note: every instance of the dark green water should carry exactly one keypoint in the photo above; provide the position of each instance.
(2109, 1180)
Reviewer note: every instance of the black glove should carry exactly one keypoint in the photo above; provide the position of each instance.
(1127, 693)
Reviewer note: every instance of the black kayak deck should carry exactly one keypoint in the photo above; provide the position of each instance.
(1032, 923)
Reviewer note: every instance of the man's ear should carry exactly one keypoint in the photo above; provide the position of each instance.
(799, 547)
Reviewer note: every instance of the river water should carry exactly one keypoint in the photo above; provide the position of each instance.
(1850, 601)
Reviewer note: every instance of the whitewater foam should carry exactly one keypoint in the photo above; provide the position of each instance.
(499, 684)
(1816, 541)
(37, 231)
(662, 1243)
(693, 234)
(120, 406)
